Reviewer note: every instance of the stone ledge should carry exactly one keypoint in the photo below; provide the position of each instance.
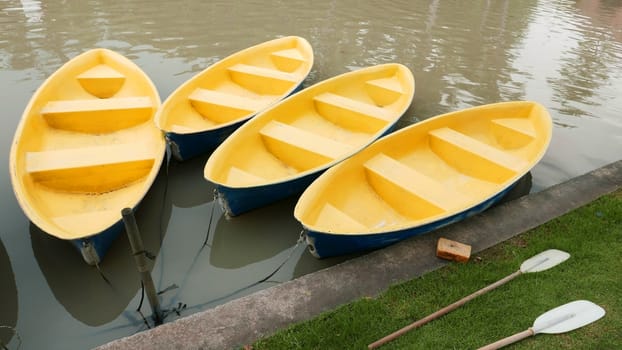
(243, 321)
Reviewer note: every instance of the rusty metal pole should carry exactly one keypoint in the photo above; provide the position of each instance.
(138, 251)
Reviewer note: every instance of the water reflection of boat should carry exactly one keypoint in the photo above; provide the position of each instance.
(253, 238)
(8, 298)
(86, 147)
(423, 177)
(187, 187)
(84, 293)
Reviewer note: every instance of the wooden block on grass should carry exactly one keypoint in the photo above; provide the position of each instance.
(452, 250)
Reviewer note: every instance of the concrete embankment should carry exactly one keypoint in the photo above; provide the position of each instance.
(247, 319)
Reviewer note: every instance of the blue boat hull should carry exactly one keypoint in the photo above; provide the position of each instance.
(187, 146)
(236, 201)
(94, 248)
(324, 245)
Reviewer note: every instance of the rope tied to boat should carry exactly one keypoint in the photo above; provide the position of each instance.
(147, 254)
(289, 256)
(89, 254)
(211, 217)
(19, 339)
(301, 239)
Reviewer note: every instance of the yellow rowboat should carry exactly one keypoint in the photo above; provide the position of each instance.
(425, 176)
(85, 148)
(206, 109)
(284, 148)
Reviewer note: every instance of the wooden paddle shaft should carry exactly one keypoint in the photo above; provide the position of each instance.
(509, 340)
(444, 310)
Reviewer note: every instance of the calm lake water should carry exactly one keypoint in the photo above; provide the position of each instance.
(564, 54)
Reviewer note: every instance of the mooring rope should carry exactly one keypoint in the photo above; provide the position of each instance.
(169, 288)
(182, 306)
(19, 339)
(161, 236)
(162, 230)
(211, 216)
(101, 273)
(289, 256)
(165, 195)
(140, 304)
(301, 239)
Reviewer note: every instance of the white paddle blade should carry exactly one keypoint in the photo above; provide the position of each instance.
(568, 317)
(544, 261)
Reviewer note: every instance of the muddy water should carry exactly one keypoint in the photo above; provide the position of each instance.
(564, 54)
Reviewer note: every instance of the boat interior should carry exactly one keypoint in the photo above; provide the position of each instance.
(318, 127)
(237, 87)
(430, 171)
(88, 145)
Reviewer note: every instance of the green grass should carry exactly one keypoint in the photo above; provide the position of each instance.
(591, 234)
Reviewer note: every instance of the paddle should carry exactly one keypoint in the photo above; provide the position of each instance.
(543, 261)
(561, 319)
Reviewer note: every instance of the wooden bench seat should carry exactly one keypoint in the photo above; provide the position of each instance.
(473, 157)
(98, 115)
(101, 81)
(90, 169)
(409, 191)
(352, 114)
(300, 148)
(222, 107)
(263, 80)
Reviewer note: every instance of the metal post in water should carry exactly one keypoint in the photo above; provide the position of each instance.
(138, 251)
